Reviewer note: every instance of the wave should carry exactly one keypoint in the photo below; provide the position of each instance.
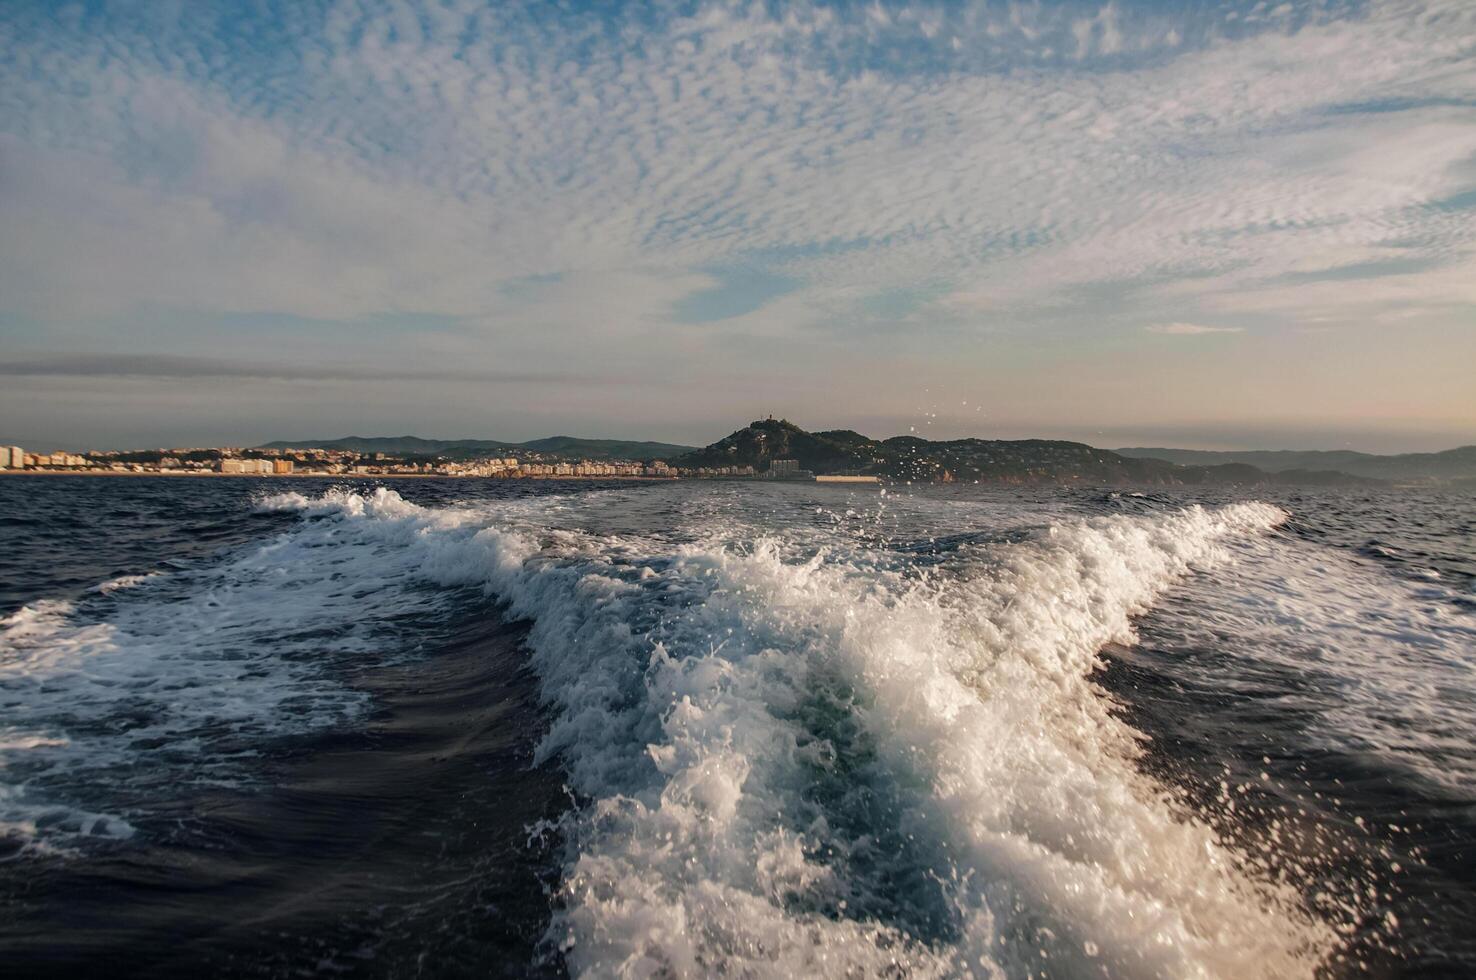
(152, 683)
(1381, 657)
(798, 758)
(126, 582)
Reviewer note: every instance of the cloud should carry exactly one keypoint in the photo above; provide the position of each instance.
(403, 156)
(646, 188)
(1188, 329)
(162, 367)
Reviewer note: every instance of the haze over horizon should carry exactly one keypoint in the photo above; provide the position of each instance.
(1199, 442)
(1128, 224)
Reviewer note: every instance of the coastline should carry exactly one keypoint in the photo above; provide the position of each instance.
(196, 474)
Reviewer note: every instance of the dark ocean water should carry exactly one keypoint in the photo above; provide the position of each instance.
(459, 728)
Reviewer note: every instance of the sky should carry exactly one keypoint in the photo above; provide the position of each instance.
(1240, 225)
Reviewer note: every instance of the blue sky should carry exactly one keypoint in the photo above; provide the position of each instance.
(1188, 224)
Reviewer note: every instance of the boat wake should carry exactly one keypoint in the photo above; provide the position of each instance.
(804, 743)
(798, 755)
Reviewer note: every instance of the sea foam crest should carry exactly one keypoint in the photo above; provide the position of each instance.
(154, 682)
(793, 762)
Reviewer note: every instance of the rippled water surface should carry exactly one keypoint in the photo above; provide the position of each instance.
(445, 728)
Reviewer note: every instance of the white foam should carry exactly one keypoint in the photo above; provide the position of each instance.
(800, 760)
(140, 689)
(797, 750)
(1385, 665)
(126, 582)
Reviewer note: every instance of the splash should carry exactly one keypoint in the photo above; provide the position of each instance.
(798, 759)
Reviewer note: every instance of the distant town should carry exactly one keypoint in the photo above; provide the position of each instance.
(311, 461)
(771, 449)
(197, 461)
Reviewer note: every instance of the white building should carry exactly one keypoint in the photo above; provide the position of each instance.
(246, 466)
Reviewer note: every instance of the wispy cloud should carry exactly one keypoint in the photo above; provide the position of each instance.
(160, 367)
(1188, 329)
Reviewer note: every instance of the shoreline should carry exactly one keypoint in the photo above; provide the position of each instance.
(197, 474)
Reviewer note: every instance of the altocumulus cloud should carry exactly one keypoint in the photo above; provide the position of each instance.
(352, 158)
(579, 183)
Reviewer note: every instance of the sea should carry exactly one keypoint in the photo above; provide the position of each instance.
(290, 727)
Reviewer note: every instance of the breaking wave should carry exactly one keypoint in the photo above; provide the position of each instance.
(805, 752)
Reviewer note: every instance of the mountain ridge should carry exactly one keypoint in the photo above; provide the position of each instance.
(991, 460)
(1448, 464)
(550, 445)
(984, 460)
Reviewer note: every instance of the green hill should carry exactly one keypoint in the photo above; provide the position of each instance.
(985, 460)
